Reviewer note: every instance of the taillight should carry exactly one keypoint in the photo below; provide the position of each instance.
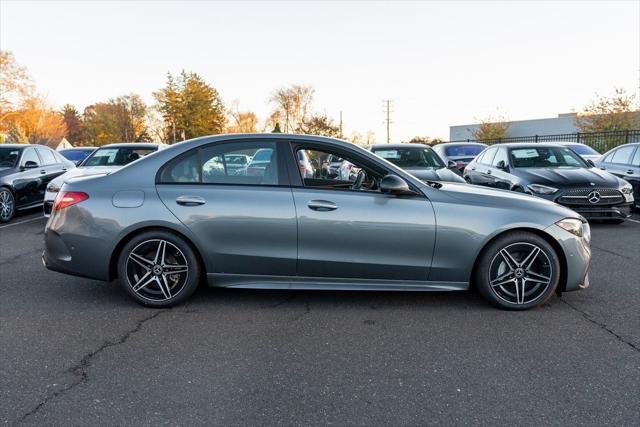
(65, 199)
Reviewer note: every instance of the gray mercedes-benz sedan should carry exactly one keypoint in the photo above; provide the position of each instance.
(168, 221)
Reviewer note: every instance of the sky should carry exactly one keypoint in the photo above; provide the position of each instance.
(441, 63)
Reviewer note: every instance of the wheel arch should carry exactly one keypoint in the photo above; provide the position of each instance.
(562, 284)
(115, 253)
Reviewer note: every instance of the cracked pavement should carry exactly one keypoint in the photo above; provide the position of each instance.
(77, 352)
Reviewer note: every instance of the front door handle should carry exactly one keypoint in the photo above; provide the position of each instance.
(42, 171)
(630, 172)
(322, 205)
(489, 172)
(190, 200)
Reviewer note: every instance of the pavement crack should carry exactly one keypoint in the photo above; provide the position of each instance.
(284, 301)
(611, 252)
(307, 310)
(80, 369)
(601, 325)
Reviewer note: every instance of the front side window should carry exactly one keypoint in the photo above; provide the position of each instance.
(501, 155)
(410, 157)
(240, 163)
(30, 155)
(8, 157)
(623, 155)
(487, 158)
(117, 156)
(636, 158)
(545, 157)
(321, 169)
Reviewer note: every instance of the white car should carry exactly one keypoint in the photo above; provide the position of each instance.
(103, 161)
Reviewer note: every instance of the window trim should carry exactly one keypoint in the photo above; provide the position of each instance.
(283, 176)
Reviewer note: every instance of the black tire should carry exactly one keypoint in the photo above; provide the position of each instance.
(517, 283)
(7, 205)
(153, 276)
(467, 179)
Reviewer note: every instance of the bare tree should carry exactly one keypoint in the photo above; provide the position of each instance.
(292, 106)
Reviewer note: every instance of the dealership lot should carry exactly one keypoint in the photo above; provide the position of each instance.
(75, 351)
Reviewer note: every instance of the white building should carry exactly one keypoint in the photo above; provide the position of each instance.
(564, 123)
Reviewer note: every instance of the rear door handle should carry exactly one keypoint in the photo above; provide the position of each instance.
(322, 205)
(630, 172)
(42, 171)
(489, 172)
(190, 200)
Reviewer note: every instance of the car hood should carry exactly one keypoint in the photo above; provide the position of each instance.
(480, 195)
(568, 177)
(433, 174)
(82, 171)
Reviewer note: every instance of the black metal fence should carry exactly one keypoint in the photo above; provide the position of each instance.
(599, 141)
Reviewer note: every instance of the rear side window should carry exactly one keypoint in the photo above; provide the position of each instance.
(239, 163)
(636, 158)
(47, 156)
(622, 155)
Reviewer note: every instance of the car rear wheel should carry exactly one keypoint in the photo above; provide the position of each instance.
(7, 205)
(158, 269)
(518, 271)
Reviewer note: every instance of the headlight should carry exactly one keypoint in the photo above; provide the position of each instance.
(626, 189)
(576, 227)
(541, 189)
(52, 188)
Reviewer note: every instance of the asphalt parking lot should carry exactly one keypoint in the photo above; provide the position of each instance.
(78, 352)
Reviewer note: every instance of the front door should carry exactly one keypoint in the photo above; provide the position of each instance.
(347, 228)
(243, 218)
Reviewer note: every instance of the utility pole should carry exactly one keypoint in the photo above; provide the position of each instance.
(341, 125)
(387, 111)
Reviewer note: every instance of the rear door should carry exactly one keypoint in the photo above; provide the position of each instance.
(29, 179)
(501, 177)
(52, 166)
(351, 230)
(243, 220)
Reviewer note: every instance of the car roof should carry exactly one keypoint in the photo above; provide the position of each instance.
(18, 145)
(528, 144)
(130, 144)
(451, 144)
(409, 145)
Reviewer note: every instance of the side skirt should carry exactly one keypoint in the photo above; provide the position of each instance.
(322, 283)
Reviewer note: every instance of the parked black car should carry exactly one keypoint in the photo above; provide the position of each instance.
(25, 171)
(624, 162)
(556, 173)
(77, 154)
(419, 160)
(459, 152)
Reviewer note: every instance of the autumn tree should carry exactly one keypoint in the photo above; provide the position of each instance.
(37, 122)
(292, 107)
(73, 124)
(15, 87)
(319, 125)
(618, 112)
(241, 121)
(491, 128)
(190, 107)
(122, 119)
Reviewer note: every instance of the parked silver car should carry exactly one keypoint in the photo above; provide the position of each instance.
(161, 226)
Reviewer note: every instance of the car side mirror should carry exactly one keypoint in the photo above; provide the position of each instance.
(452, 165)
(29, 164)
(79, 162)
(393, 184)
(593, 165)
(502, 165)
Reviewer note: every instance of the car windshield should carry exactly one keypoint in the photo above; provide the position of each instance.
(410, 157)
(545, 157)
(464, 150)
(583, 150)
(8, 157)
(75, 155)
(117, 156)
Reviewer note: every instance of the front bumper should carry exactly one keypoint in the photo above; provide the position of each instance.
(577, 257)
(621, 211)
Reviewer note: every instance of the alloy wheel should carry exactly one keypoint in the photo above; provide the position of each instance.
(6, 205)
(157, 270)
(520, 273)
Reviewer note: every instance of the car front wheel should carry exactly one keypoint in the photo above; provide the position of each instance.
(158, 269)
(518, 271)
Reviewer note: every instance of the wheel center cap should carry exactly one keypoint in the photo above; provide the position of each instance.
(157, 270)
(519, 273)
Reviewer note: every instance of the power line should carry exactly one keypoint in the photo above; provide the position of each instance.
(387, 112)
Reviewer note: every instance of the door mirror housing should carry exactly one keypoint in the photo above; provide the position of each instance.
(29, 164)
(590, 162)
(393, 184)
(452, 165)
(502, 165)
